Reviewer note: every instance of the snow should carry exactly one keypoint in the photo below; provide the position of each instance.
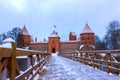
(36, 77)
(93, 46)
(73, 33)
(6, 45)
(8, 40)
(70, 41)
(3, 75)
(60, 68)
(24, 49)
(81, 46)
(87, 29)
(24, 31)
(38, 42)
(54, 34)
(21, 57)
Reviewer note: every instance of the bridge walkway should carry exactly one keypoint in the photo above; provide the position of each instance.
(60, 68)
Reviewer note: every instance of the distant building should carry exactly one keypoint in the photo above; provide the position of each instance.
(85, 41)
(24, 38)
(87, 38)
(72, 36)
(54, 42)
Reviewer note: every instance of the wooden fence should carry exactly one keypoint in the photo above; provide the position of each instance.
(8, 60)
(100, 59)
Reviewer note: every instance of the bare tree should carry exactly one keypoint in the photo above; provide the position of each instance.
(99, 44)
(112, 37)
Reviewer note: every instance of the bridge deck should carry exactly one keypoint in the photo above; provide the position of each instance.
(60, 68)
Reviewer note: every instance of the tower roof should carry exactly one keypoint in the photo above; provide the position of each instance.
(24, 31)
(73, 33)
(87, 29)
(54, 34)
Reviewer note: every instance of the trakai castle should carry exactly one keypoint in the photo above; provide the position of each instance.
(86, 41)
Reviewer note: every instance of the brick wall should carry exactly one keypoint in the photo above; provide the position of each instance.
(54, 42)
(39, 46)
(87, 39)
(69, 46)
(72, 36)
(64, 46)
(23, 40)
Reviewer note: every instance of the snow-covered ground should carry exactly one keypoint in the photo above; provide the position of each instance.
(60, 68)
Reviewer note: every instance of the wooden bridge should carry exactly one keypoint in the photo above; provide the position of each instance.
(100, 59)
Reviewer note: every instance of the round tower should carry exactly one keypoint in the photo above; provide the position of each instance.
(24, 38)
(87, 38)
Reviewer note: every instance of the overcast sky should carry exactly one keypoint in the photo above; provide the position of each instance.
(39, 16)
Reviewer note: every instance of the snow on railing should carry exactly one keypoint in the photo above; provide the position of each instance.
(8, 56)
(100, 59)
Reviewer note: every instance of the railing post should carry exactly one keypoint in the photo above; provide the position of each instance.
(38, 57)
(32, 60)
(12, 62)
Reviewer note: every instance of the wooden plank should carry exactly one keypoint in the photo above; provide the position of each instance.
(5, 52)
(13, 60)
(27, 72)
(28, 52)
(107, 61)
(101, 51)
(4, 64)
(17, 68)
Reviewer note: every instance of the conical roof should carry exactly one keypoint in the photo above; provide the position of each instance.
(87, 29)
(24, 31)
(54, 34)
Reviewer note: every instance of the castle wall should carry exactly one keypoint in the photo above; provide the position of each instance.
(69, 46)
(54, 44)
(39, 46)
(64, 46)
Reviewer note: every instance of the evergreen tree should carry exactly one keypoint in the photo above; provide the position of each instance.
(15, 33)
(1, 38)
(99, 45)
(11, 34)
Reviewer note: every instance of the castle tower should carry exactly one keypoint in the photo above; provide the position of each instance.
(72, 36)
(24, 38)
(54, 42)
(87, 38)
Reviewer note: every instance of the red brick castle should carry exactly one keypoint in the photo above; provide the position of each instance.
(86, 41)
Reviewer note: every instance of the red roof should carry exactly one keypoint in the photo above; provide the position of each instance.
(87, 29)
(24, 31)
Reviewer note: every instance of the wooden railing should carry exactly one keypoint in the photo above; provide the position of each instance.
(8, 60)
(100, 59)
